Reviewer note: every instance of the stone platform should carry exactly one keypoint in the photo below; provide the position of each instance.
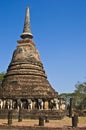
(34, 114)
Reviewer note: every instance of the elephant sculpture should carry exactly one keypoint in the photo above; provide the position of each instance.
(29, 103)
(19, 104)
(54, 103)
(9, 103)
(40, 104)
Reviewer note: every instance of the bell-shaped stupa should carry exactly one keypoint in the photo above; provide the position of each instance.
(26, 77)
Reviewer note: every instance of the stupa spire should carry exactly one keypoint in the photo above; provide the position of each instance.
(26, 30)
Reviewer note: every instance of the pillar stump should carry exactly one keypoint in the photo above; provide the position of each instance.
(9, 117)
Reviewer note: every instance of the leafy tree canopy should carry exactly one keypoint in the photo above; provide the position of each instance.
(79, 95)
(80, 89)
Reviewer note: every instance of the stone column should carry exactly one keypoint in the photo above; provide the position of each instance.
(59, 103)
(9, 117)
(71, 107)
(74, 120)
(41, 121)
(20, 115)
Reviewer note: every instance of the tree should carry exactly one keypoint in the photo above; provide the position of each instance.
(80, 94)
(1, 76)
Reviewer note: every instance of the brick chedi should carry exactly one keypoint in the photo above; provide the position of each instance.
(25, 87)
(26, 77)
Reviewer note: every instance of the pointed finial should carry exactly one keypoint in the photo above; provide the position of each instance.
(26, 31)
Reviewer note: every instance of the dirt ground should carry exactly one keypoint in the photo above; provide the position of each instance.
(66, 122)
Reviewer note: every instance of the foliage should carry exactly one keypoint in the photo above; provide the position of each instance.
(1, 76)
(79, 96)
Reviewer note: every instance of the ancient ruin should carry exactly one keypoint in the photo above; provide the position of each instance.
(25, 84)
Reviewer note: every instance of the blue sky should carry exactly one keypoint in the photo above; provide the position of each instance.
(59, 29)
